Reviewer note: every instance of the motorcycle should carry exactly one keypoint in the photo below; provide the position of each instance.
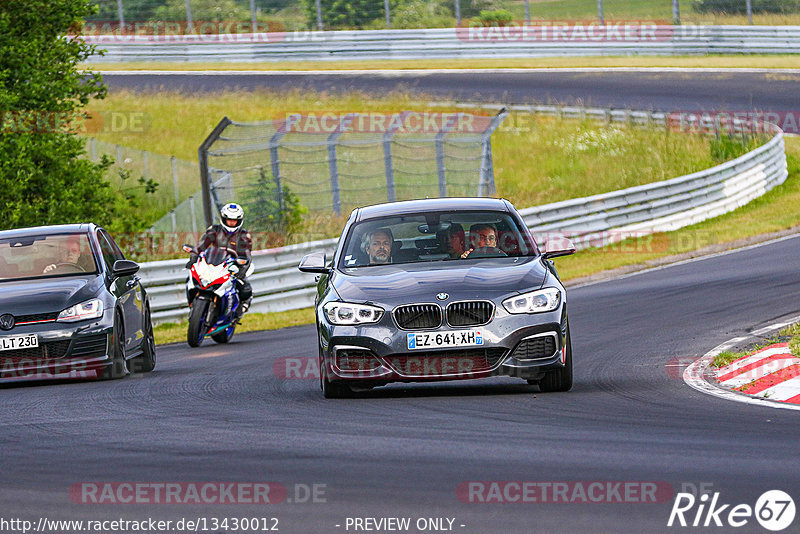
(211, 290)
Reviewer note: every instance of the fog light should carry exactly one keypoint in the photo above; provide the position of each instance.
(356, 360)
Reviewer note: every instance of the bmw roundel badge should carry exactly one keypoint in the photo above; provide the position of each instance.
(442, 296)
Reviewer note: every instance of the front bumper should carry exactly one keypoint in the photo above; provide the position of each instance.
(523, 346)
(65, 351)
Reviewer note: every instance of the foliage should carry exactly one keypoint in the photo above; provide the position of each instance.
(739, 7)
(266, 212)
(420, 14)
(355, 14)
(130, 213)
(42, 175)
(497, 17)
(203, 10)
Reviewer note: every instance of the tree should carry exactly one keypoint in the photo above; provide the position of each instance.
(350, 14)
(43, 177)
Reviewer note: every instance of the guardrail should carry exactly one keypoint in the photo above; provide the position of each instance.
(636, 211)
(493, 42)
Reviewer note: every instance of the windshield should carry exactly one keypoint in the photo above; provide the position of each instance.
(46, 256)
(435, 236)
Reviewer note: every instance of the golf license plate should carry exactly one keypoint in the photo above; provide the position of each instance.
(438, 340)
(19, 342)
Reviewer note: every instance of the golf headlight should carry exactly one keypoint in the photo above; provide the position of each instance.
(543, 300)
(346, 313)
(91, 309)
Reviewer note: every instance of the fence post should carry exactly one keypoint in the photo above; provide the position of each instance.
(391, 195)
(458, 13)
(333, 139)
(275, 164)
(600, 16)
(319, 15)
(175, 180)
(193, 214)
(486, 184)
(676, 13)
(253, 15)
(121, 15)
(388, 14)
(527, 12)
(202, 154)
(749, 11)
(439, 144)
(188, 17)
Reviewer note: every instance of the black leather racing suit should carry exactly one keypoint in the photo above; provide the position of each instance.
(241, 242)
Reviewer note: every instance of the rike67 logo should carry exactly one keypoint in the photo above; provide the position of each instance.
(774, 510)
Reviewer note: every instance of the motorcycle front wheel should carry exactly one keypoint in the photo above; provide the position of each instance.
(197, 322)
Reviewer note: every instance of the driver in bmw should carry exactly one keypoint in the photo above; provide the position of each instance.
(379, 246)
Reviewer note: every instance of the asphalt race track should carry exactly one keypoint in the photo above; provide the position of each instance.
(665, 91)
(220, 414)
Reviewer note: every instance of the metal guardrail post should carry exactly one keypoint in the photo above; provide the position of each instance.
(189, 27)
(388, 14)
(253, 15)
(458, 12)
(676, 13)
(391, 194)
(749, 6)
(121, 14)
(202, 153)
(600, 15)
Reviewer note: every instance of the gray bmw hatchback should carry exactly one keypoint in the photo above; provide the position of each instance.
(440, 289)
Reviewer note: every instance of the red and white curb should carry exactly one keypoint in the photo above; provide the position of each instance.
(769, 377)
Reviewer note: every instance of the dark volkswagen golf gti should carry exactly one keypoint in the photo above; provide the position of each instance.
(70, 306)
(440, 289)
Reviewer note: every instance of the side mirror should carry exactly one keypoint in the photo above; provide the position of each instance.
(314, 263)
(124, 268)
(557, 246)
(190, 249)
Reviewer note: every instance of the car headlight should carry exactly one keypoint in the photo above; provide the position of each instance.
(542, 300)
(91, 309)
(347, 313)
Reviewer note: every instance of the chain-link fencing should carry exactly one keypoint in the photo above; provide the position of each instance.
(334, 162)
(170, 18)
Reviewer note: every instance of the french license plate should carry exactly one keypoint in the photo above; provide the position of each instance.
(437, 340)
(19, 342)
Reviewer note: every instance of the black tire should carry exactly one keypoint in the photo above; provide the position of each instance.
(117, 368)
(146, 362)
(197, 322)
(560, 379)
(225, 335)
(333, 390)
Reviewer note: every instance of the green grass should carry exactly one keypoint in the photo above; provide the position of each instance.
(176, 332)
(713, 61)
(790, 334)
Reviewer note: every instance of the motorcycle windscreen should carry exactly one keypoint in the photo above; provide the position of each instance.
(216, 255)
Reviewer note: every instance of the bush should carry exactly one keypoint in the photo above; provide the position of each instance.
(266, 213)
(420, 14)
(498, 17)
(739, 7)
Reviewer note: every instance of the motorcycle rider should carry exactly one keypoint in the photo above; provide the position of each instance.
(230, 233)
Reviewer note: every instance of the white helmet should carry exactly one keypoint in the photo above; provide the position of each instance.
(231, 216)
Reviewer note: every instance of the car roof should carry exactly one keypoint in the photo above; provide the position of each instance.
(47, 230)
(431, 204)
